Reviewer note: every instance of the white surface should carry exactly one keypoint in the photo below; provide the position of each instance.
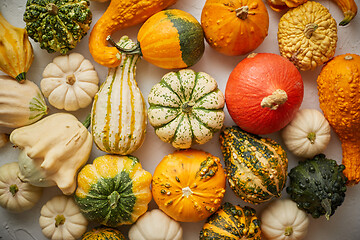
(344, 225)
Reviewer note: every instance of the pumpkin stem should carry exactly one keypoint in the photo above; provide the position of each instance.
(52, 8)
(70, 79)
(309, 29)
(311, 136)
(288, 231)
(242, 12)
(59, 220)
(114, 199)
(186, 191)
(13, 189)
(21, 77)
(186, 107)
(135, 50)
(326, 204)
(273, 101)
(348, 57)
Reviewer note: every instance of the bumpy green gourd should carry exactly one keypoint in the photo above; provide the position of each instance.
(57, 25)
(318, 186)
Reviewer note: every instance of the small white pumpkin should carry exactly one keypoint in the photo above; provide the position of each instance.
(155, 225)
(70, 82)
(15, 195)
(283, 220)
(308, 134)
(61, 219)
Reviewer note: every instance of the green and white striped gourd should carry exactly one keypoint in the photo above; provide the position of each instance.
(255, 167)
(186, 107)
(118, 116)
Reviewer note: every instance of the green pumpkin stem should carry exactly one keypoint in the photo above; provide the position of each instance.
(288, 231)
(59, 220)
(13, 189)
(326, 204)
(310, 29)
(312, 137)
(114, 199)
(135, 50)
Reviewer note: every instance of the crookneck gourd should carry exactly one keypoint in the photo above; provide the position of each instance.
(232, 222)
(338, 89)
(256, 167)
(186, 107)
(113, 190)
(307, 35)
(57, 25)
(118, 116)
(16, 53)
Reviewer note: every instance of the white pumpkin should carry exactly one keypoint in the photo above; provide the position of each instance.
(155, 225)
(70, 82)
(308, 134)
(283, 220)
(15, 195)
(61, 219)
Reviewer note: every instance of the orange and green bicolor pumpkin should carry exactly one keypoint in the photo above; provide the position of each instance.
(103, 233)
(114, 190)
(232, 222)
(170, 39)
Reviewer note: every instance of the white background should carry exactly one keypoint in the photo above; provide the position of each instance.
(344, 225)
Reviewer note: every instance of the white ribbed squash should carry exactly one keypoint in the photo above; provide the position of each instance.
(118, 116)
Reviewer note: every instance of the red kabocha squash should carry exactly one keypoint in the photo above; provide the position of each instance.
(263, 93)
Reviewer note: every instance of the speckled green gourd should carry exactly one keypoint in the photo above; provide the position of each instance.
(58, 25)
(256, 167)
(317, 185)
(232, 222)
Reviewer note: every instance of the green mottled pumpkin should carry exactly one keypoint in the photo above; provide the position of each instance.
(114, 190)
(103, 233)
(57, 25)
(255, 167)
(232, 222)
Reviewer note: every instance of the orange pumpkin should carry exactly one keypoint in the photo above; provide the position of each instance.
(235, 27)
(189, 185)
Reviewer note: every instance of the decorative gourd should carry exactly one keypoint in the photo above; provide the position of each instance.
(308, 134)
(186, 107)
(307, 35)
(20, 104)
(235, 27)
(16, 53)
(70, 82)
(119, 113)
(104, 233)
(283, 220)
(114, 190)
(4, 138)
(263, 93)
(189, 185)
(338, 89)
(155, 225)
(317, 185)
(120, 14)
(169, 39)
(232, 222)
(57, 25)
(60, 218)
(16, 195)
(255, 167)
(53, 150)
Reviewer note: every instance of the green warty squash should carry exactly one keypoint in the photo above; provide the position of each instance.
(256, 167)
(103, 233)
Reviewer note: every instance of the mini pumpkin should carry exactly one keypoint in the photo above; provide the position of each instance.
(307, 35)
(189, 185)
(70, 82)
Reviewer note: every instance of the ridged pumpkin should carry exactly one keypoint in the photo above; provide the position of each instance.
(103, 233)
(235, 27)
(263, 93)
(189, 185)
(339, 97)
(118, 115)
(113, 190)
(16, 53)
(170, 39)
(232, 222)
(186, 107)
(255, 167)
